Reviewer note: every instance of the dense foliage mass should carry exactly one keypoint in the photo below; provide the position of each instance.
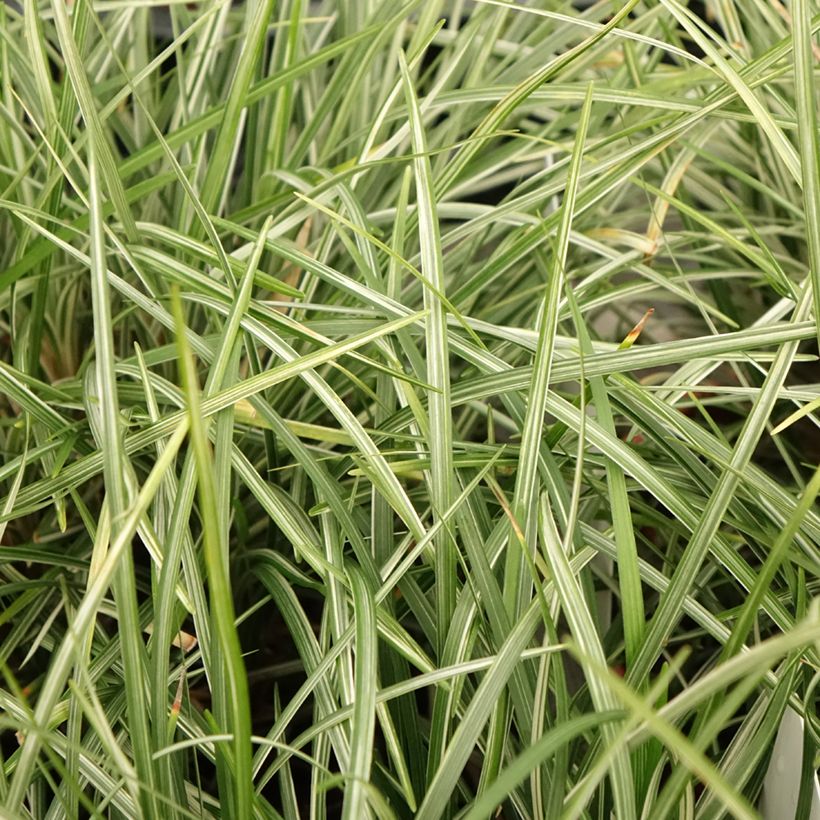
(347, 470)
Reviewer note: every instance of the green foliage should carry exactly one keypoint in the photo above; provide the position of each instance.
(335, 479)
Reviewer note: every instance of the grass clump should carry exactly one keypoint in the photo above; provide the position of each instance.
(341, 474)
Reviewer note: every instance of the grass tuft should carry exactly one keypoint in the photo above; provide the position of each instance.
(408, 410)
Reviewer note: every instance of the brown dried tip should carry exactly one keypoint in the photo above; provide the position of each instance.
(633, 334)
(177, 704)
(182, 640)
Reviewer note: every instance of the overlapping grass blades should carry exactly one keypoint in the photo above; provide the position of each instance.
(333, 481)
